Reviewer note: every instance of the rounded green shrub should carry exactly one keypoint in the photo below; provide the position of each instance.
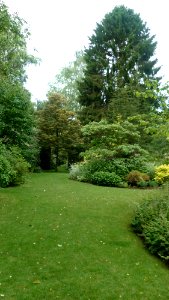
(153, 183)
(142, 184)
(13, 167)
(105, 179)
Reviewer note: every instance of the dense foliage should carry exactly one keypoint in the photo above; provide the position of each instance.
(17, 125)
(100, 166)
(151, 222)
(135, 178)
(13, 167)
(162, 174)
(116, 83)
(66, 82)
(16, 114)
(153, 131)
(16, 109)
(119, 60)
(13, 51)
(58, 132)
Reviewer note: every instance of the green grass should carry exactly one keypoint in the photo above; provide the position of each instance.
(61, 239)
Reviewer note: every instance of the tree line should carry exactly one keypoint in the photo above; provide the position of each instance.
(109, 95)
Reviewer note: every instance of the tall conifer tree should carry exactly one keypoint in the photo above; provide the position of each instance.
(120, 57)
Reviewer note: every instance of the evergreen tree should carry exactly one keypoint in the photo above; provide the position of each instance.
(119, 58)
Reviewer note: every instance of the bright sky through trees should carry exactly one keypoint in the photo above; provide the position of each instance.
(60, 28)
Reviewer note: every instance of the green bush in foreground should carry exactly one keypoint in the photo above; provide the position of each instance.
(105, 179)
(151, 222)
(13, 167)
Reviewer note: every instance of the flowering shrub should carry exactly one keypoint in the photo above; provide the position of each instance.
(162, 174)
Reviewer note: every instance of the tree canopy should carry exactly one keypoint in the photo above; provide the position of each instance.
(59, 130)
(66, 82)
(16, 109)
(13, 47)
(120, 57)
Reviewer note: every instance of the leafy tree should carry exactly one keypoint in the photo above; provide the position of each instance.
(66, 82)
(112, 152)
(153, 129)
(102, 135)
(16, 109)
(13, 51)
(59, 131)
(16, 114)
(118, 61)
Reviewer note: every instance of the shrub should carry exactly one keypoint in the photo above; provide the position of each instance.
(153, 183)
(150, 170)
(112, 161)
(100, 164)
(105, 179)
(78, 172)
(156, 236)
(74, 171)
(136, 178)
(13, 167)
(19, 165)
(142, 184)
(151, 222)
(6, 171)
(162, 174)
(120, 161)
(107, 164)
(122, 185)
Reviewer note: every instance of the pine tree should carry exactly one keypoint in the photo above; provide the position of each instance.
(119, 57)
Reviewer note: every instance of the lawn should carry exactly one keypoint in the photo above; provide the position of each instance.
(61, 239)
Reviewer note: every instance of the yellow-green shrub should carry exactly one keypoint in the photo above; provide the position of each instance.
(162, 174)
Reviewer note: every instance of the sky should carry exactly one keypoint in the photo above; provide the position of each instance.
(59, 28)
